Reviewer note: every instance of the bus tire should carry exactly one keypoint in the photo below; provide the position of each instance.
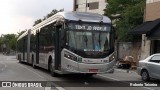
(33, 65)
(50, 68)
(145, 75)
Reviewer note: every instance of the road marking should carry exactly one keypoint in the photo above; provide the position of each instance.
(31, 71)
(54, 88)
(5, 66)
(60, 88)
(149, 88)
(109, 77)
(124, 82)
(46, 88)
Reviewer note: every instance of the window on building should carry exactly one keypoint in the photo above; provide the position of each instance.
(76, 6)
(152, 1)
(93, 5)
(87, 5)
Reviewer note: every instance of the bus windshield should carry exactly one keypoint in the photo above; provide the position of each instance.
(89, 40)
(89, 36)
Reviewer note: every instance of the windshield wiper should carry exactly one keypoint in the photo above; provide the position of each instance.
(85, 39)
(99, 40)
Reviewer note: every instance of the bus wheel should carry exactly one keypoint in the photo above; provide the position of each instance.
(52, 70)
(145, 75)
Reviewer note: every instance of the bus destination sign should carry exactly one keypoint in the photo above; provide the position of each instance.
(90, 27)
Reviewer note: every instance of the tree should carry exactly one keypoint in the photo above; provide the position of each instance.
(54, 11)
(9, 40)
(126, 14)
(12, 43)
(37, 22)
(21, 32)
(1, 41)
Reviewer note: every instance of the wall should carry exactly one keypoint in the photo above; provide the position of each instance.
(152, 10)
(129, 49)
(152, 13)
(82, 6)
(145, 47)
(124, 49)
(136, 51)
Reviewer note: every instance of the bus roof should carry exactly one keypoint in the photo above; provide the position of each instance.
(70, 16)
(73, 16)
(23, 35)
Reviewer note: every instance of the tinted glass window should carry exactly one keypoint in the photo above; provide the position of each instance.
(93, 5)
(20, 45)
(89, 41)
(155, 59)
(33, 42)
(46, 39)
(25, 40)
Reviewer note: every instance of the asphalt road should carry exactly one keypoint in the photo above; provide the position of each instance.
(12, 70)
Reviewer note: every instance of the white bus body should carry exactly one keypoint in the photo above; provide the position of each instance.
(70, 42)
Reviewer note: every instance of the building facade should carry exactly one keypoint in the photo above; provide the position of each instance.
(94, 6)
(152, 10)
(151, 45)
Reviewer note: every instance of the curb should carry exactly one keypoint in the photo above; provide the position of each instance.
(125, 71)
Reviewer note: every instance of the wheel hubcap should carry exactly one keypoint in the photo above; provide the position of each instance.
(144, 75)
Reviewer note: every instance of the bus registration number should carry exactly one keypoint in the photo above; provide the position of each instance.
(93, 70)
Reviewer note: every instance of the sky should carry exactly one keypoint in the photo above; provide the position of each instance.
(18, 15)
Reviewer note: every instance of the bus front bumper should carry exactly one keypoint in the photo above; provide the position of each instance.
(91, 68)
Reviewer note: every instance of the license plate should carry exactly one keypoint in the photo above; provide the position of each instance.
(93, 70)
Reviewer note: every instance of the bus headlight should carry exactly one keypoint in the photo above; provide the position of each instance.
(112, 57)
(70, 56)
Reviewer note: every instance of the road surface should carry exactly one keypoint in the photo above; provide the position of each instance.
(12, 70)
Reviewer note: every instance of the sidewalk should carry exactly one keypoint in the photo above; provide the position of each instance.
(123, 75)
(126, 70)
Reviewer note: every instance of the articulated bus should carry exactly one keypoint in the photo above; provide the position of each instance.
(70, 42)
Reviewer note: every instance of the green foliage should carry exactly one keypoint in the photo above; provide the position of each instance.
(21, 32)
(125, 14)
(1, 41)
(54, 11)
(37, 22)
(9, 40)
(12, 43)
